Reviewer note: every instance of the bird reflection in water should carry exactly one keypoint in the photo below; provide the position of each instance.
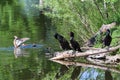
(63, 69)
(76, 73)
(18, 52)
(108, 75)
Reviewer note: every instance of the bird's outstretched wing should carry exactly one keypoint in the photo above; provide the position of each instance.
(24, 39)
(19, 42)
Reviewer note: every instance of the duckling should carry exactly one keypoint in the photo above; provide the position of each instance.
(75, 45)
(107, 40)
(18, 42)
(63, 42)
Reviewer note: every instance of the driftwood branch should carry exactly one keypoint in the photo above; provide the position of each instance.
(71, 53)
(104, 27)
(68, 63)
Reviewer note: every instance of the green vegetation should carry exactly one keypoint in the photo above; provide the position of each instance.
(14, 20)
(83, 17)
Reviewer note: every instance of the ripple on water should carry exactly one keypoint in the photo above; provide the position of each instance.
(28, 46)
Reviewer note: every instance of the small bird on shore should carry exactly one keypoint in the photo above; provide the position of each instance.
(19, 41)
(75, 45)
(63, 42)
(107, 40)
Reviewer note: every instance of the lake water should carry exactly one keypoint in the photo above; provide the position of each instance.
(34, 64)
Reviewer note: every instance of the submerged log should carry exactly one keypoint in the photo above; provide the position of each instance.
(71, 53)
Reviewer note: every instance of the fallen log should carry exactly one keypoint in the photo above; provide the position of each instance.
(71, 53)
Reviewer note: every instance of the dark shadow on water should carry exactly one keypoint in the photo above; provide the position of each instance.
(76, 73)
(108, 75)
(63, 69)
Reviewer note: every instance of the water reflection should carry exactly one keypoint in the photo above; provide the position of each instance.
(37, 67)
(108, 75)
(19, 52)
(91, 74)
(76, 72)
(63, 69)
(23, 74)
(87, 71)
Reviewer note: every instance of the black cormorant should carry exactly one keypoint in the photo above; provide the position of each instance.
(75, 45)
(91, 41)
(63, 42)
(107, 40)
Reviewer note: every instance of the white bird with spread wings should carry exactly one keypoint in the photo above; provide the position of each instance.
(19, 41)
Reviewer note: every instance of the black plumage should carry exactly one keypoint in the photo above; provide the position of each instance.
(107, 40)
(91, 41)
(63, 42)
(75, 45)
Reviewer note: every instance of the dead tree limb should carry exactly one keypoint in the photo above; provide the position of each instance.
(102, 29)
(71, 53)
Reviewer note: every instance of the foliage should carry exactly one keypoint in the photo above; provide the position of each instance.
(15, 21)
(82, 17)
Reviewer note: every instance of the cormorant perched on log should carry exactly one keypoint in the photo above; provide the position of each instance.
(107, 40)
(75, 45)
(91, 41)
(63, 42)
